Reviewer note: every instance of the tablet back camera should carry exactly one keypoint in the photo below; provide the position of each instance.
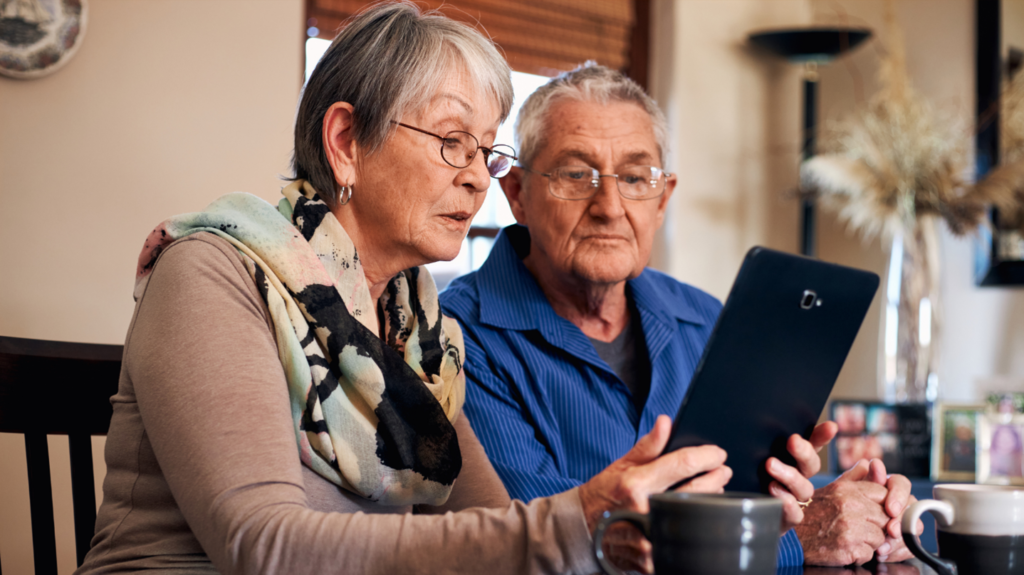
(809, 299)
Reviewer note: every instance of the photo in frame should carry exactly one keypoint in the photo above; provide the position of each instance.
(1006, 402)
(1000, 449)
(954, 443)
(899, 435)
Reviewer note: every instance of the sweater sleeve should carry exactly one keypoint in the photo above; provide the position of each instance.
(213, 401)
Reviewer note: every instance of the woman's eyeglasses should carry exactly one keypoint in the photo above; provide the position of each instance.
(459, 148)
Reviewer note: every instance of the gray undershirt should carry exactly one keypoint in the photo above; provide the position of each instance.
(628, 358)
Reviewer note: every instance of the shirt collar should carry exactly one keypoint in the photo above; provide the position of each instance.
(510, 297)
(659, 295)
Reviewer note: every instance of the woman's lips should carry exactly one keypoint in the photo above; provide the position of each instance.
(457, 219)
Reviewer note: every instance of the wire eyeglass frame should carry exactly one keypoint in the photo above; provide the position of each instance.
(659, 177)
(498, 159)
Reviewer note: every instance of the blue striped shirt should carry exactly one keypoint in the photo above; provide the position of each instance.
(549, 412)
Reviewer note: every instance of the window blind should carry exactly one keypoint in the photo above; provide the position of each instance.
(537, 36)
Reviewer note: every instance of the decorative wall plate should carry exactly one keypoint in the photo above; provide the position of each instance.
(37, 37)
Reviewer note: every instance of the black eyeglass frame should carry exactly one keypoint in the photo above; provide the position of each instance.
(487, 151)
(595, 188)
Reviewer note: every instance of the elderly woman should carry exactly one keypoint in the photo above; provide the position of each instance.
(290, 399)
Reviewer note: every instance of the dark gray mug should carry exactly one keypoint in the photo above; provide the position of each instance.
(702, 534)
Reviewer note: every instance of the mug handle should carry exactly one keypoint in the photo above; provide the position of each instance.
(639, 520)
(944, 511)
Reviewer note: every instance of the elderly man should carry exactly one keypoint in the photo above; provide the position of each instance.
(574, 347)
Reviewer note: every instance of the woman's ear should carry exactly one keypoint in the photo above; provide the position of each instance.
(340, 144)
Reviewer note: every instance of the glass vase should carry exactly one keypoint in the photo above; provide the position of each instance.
(911, 315)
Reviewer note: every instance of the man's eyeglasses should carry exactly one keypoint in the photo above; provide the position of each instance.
(459, 148)
(582, 183)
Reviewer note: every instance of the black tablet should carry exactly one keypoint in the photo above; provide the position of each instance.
(772, 359)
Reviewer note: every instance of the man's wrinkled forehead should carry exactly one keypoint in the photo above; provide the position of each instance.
(562, 120)
(566, 156)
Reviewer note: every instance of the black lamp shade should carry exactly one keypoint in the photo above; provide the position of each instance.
(810, 44)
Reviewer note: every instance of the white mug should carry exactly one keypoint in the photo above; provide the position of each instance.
(980, 529)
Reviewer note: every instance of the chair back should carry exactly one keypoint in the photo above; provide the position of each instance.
(58, 388)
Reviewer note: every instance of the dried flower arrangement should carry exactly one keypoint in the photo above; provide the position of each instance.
(899, 160)
(893, 169)
(896, 161)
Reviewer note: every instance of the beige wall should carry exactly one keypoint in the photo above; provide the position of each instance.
(734, 120)
(1012, 24)
(167, 105)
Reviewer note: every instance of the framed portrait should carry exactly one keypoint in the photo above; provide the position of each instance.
(1000, 449)
(954, 443)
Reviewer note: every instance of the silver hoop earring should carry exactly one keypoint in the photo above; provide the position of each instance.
(344, 195)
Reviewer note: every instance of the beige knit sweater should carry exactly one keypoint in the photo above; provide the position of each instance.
(203, 474)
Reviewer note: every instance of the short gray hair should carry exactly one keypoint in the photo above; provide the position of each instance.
(590, 82)
(388, 60)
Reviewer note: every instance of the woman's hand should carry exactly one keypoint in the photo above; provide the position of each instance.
(792, 484)
(626, 484)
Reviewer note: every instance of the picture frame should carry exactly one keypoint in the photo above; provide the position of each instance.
(954, 442)
(1000, 449)
(899, 435)
(1005, 402)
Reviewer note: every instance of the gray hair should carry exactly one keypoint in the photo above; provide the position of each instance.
(388, 60)
(590, 82)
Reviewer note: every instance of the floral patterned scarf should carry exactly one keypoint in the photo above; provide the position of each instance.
(374, 386)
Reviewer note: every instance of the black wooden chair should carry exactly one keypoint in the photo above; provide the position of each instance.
(57, 388)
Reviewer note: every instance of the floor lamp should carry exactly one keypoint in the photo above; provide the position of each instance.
(811, 48)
